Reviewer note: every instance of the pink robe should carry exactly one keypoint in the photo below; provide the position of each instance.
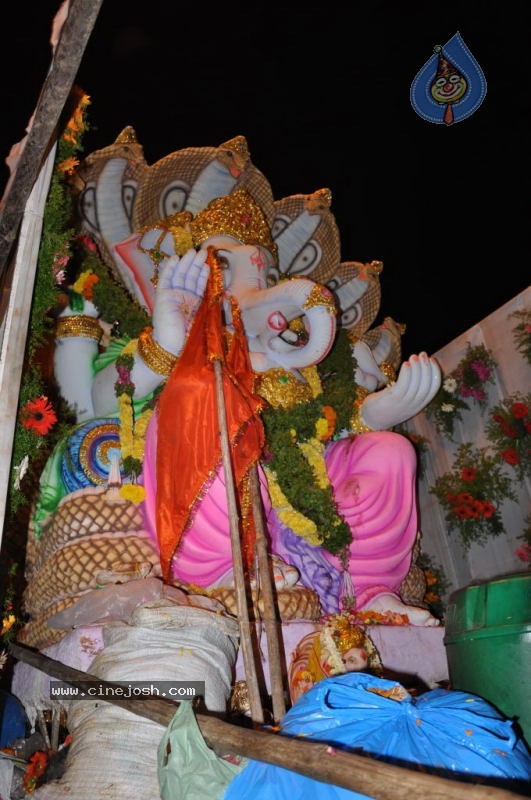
(373, 477)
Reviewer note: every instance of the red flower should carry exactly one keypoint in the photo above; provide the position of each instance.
(524, 553)
(477, 507)
(38, 415)
(511, 455)
(508, 430)
(527, 425)
(464, 497)
(468, 473)
(519, 410)
(88, 242)
(463, 512)
(488, 509)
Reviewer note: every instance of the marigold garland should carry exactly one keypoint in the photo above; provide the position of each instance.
(299, 524)
(295, 450)
(132, 432)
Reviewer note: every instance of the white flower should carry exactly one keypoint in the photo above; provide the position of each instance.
(447, 408)
(21, 470)
(450, 385)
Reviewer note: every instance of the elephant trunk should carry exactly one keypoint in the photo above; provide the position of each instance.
(268, 312)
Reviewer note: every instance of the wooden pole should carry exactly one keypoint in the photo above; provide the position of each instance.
(75, 34)
(359, 773)
(269, 615)
(255, 702)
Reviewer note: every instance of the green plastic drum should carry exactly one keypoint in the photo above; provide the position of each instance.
(488, 644)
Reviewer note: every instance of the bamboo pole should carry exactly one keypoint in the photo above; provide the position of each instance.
(255, 702)
(317, 760)
(269, 614)
(75, 34)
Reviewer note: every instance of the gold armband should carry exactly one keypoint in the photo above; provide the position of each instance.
(356, 423)
(78, 325)
(389, 371)
(154, 355)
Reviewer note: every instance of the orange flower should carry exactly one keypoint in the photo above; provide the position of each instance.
(88, 289)
(68, 165)
(35, 769)
(331, 417)
(38, 415)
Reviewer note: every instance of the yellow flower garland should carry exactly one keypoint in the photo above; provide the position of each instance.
(313, 451)
(132, 434)
(301, 525)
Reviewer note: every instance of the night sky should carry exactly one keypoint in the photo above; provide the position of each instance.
(321, 92)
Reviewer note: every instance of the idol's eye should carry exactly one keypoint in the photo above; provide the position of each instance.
(222, 260)
(440, 81)
(454, 78)
(229, 153)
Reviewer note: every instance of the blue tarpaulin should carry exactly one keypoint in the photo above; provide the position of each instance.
(449, 731)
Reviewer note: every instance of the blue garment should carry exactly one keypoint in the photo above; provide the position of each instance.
(14, 723)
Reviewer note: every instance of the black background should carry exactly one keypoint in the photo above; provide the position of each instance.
(321, 92)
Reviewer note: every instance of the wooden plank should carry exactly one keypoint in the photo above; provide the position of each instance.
(57, 86)
(358, 773)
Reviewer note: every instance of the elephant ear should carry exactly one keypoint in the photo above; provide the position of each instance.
(356, 288)
(307, 237)
(107, 184)
(189, 179)
(385, 342)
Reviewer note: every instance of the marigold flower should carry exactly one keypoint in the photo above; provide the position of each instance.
(468, 474)
(85, 284)
(7, 623)
(68, 166)
(510, 455)
(133, 492)
(38, 415)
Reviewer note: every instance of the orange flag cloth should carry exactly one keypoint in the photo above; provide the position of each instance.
(189, 444)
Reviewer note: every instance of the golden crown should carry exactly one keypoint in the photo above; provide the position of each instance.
(347, 635)
(236, 215)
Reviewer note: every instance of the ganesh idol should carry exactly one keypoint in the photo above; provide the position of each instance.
(337, 484)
